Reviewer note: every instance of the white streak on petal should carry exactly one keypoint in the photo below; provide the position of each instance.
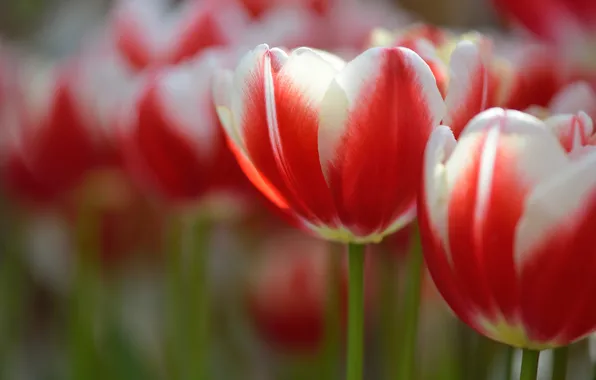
(245, 75)
(438, 151)
(185, 96)
(555, 203)
(345, 92)
(222, 99)
(485, 175)
(465, 63)
(578, 96)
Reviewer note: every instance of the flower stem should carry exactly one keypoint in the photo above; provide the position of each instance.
(411, 310)
(529, 367)
(355, 359)
(509, 355)
(198, 297)
(389, 316)
(83, 306)
(330, 349)
(559, 370)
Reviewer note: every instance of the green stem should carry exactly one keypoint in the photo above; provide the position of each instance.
(509, 355)
(83, 309)
(330, 349)
(411, 309)
(389, 315)
(189, 293)
(198, 259)
(175, 318)
(559, 370)
(355, 359)
(529, 367)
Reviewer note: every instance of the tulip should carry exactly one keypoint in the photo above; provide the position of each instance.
(50, 141)
(305, 128)
(566, 25)
(258, 8)
(337, 145)
(287, 293)
(147, 33)
(552, 19)
(288, 289)
(54, 125)
(170, 137)
(505, 218)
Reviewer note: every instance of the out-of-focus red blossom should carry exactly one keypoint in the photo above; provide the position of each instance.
(127, 222)
(567, 26)
(50, 143)
(552, 19)
(170, 136)
(576, 97)
(306, 129)
(148, 33)
(258, 8)
(53, 127)
(287, 294)
(506, 218)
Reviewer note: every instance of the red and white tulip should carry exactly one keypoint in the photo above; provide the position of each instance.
(506, 218)
(170, 135)
(338, 145)
(149, 33)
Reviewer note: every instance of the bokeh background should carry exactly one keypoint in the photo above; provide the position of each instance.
(106, 283)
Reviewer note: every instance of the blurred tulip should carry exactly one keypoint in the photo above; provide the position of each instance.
(258, 8)
(287, 295)
(55, 129)
(171, 140)
(552, 19)
(147, 33)
(505, 221)
(306, 130)
(50, 141)
(576, 97)
(568, 25)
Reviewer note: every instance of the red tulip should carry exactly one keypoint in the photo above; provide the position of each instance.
(506, 218)
(339, 146)
(552, 19)
(287, 295)
(480, 80)
(171, 139)
(258, 8)
(55, 128)
(51, 141)
(147, 34)
(568, 26)
(576, 97)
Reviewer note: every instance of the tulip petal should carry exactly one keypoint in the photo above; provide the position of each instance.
(160, 158)
(573, 131)
(185, 97)
(500, 155)
(578, 96)
(470, 90)
(375, 120)
(556, 253)
(222, 99)
(432, 218)
(276, 106)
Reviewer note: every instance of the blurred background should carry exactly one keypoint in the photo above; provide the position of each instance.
(106, 271)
